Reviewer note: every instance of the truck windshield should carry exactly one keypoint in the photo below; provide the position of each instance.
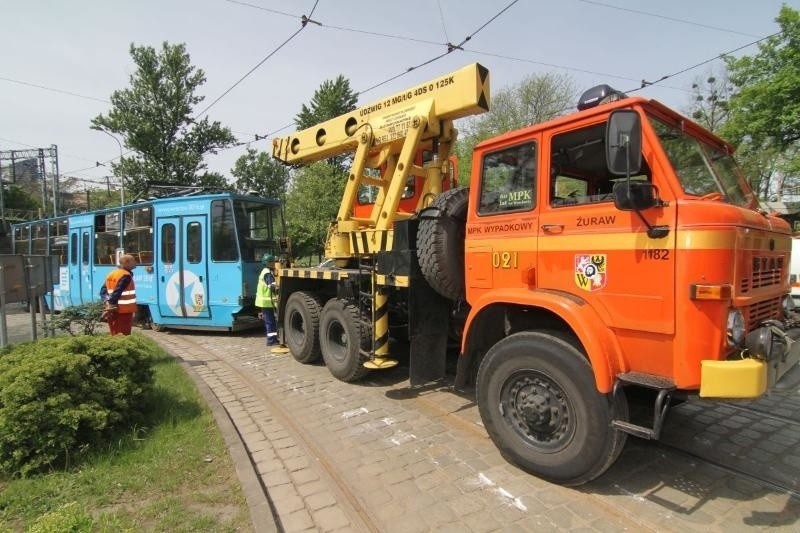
(703, 169)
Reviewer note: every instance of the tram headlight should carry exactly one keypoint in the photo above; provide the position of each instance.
(736, 328)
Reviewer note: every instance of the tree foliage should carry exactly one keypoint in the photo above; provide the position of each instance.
(260, 173)
(311, 205)
(710, 101)
(765, 106)
(316, 191)
(16, 197)
(331, 99)
(154, 118)
(536, 98)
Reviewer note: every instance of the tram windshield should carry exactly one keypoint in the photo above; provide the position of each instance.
(254, 226)
(258, 226)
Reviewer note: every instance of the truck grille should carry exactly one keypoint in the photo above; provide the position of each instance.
(765, 272)
(758, 312)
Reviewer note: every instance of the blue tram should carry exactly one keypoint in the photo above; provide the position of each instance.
(198, 256)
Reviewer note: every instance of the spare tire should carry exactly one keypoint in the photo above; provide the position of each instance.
(440, 243)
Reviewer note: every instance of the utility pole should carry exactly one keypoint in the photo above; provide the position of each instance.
(121, 178)
(2, 199)
(54, 170)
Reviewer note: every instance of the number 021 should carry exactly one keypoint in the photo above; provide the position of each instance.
(504, 259)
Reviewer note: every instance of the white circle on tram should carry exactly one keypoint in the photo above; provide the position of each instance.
(194, 293)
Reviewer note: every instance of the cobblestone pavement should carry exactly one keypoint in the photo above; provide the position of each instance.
(376, 456)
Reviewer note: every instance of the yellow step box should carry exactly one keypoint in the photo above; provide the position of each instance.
(745, 378)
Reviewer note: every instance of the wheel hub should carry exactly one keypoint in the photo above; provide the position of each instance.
(537, 409)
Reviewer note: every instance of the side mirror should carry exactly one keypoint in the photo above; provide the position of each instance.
(624, 142)
(635, 195)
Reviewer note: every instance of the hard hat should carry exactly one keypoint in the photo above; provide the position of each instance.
(267, 258)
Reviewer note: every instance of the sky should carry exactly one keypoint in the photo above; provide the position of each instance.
(81, 48)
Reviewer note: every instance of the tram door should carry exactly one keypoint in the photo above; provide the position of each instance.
(80, 265)
(181, 267)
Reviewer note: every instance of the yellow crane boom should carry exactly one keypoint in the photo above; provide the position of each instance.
(386, 134)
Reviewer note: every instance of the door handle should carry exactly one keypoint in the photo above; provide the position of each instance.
(201, 279)
(162, 278)
(553, 228)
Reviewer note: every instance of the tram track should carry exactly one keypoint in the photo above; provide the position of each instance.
(278, 386)
(424, 400)
(335, 481)
(762, 413)
(742, 474)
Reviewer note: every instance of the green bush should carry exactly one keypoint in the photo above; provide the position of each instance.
(61, 395)
(79, 319)
(69, 518)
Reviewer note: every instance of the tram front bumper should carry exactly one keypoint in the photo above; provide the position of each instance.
(771, 363)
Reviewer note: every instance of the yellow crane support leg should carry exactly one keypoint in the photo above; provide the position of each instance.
(381, 359)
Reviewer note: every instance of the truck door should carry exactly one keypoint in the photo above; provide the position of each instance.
(80, 265)
(597, 252)
(500, 246)
(181, 262)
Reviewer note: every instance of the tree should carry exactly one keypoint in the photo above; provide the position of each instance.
(316, 191)
(534, 99)
(154, 116)
(765, 107)
(311, 205)
(333, 98)
(710, 101)
(16, 197)
(258, 172)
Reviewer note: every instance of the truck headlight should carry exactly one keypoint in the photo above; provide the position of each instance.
(788, 305)
(736, 329)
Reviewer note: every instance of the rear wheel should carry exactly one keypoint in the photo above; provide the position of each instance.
(341, 339)
(540, 405)
(301, 330)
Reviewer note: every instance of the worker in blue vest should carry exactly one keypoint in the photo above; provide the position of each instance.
(265, 300)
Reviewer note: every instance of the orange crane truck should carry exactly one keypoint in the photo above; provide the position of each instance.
(615, 248)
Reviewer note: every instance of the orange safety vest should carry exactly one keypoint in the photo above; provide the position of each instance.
(127, 300)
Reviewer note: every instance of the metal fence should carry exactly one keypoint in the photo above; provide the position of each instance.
(26, 278)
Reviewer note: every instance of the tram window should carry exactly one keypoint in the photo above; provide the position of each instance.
(39, 238)
(276, 222)
(73, 249)
(194, 242)
(253, 227)
(22, 241)
(58, 240)
(223, 232)
(138, 236)
(85, 247)
(106, 238)
(168, 243)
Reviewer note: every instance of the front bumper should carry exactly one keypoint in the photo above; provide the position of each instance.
(769, 362)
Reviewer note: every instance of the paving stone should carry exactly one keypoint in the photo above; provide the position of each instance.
(330, 518)
(416, 470)
(297, 521)
(308, 489)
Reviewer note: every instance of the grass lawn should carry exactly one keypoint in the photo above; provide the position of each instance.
(172, 474)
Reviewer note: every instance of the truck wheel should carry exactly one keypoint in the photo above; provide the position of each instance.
(341, 338)
(301, 328)
(440, 244)
(539, 403)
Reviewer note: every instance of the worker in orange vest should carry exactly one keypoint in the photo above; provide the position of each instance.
(119, 295)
